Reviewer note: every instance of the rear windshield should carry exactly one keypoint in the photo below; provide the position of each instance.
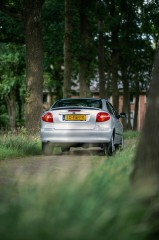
(95, 103)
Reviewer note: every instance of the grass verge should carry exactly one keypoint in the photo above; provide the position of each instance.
(102, 206)
(20, 145)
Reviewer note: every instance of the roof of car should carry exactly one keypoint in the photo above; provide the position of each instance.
(80, 98)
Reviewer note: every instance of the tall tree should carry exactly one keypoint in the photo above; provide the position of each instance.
(136, 114)
(67, 50)
(101, 50)
(53, 17)
(114, 28)
(30, 13)
(84, 50)
(127, 13)
(146, 163)
(34, 63)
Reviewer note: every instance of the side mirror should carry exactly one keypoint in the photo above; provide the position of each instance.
(121, 115)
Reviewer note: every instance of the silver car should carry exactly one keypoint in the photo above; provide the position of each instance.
(76, 122)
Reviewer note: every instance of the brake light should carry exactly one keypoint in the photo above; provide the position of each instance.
(47, 117)
(74, 110)
(102, 117)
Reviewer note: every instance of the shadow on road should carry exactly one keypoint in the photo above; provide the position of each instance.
(81, 152)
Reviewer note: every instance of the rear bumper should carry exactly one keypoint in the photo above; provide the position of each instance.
(75, 136)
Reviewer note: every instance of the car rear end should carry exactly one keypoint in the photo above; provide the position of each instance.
(76, 125)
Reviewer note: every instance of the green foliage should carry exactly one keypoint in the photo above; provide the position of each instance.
(150, 15)
(17, 145)
(12, 29)
(11, 68)
(12, 79)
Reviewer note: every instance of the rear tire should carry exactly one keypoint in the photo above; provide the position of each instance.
(109, 148)
(120, 146)
(47, 148)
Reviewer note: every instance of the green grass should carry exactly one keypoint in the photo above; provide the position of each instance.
(131, 134)
(101, 206)
(19, 145)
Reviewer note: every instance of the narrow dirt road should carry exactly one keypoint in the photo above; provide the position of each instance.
(76, 162)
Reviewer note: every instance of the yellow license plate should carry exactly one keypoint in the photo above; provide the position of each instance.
(75, 117)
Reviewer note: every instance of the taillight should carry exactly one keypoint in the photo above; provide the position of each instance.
(47, 117)
(102, 117)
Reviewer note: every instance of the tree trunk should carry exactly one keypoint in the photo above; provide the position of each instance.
(67, 50)
(34, 64)
(114, 57)
(20, 104)
(115, 91)
(84, 55)
(146, 163)
(83, 79)
(59, 78)
(11, 106)
(101, 62)
(124, 60)
(135, 125)
(126, 99)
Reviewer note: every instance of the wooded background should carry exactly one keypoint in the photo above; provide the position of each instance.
(50, 44)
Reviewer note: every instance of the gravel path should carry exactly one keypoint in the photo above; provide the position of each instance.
(78, 162)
